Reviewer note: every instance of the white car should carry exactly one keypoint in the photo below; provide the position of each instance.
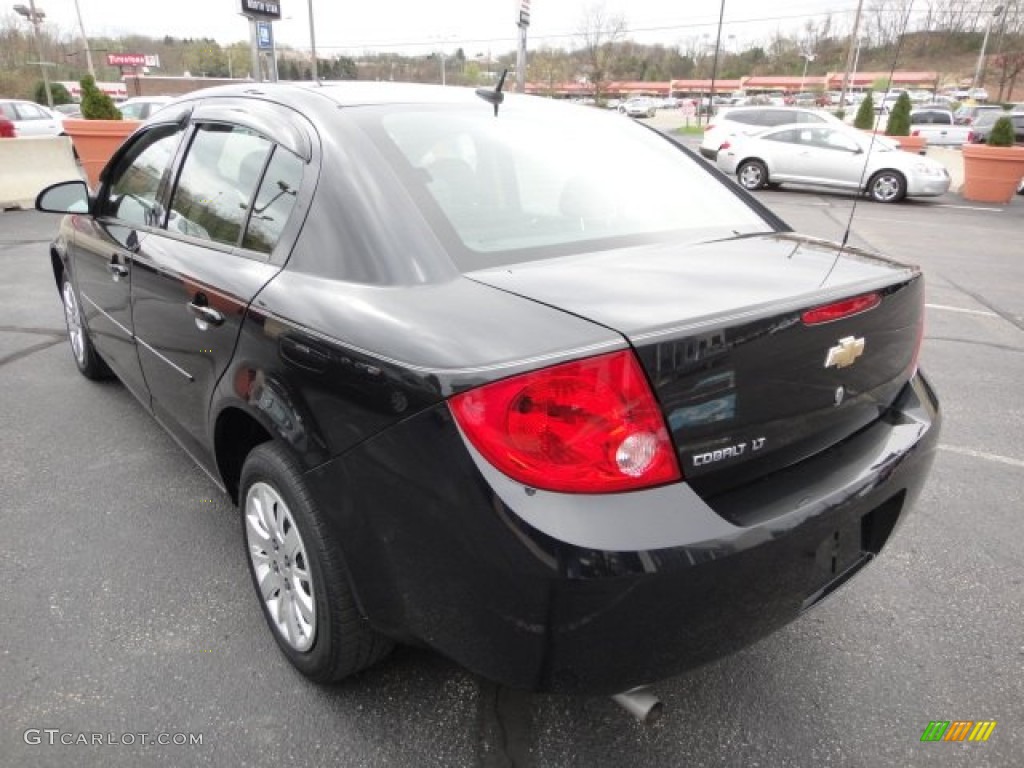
(31, 119)
(831, 156)
(738, 121)
(141, 107)
(639, 107)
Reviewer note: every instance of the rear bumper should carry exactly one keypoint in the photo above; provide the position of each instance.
(710, 154)
(596, 595)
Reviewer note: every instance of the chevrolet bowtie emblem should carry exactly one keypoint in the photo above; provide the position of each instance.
(845, 352)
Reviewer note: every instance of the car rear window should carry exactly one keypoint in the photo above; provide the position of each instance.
(543, 181)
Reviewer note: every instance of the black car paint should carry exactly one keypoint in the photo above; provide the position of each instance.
(348, 353)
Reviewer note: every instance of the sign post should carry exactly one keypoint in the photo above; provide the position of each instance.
(261, 15)
(523, 23)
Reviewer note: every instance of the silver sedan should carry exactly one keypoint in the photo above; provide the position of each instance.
(831, 156)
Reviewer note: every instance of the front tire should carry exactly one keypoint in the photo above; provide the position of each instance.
(752, 175)
(887, 187)
(89, 363)
(299, 574)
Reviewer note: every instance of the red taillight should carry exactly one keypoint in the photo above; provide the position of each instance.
(589, 426)
(840, 309)
(708, 127)
(970, 137)
(725, 145)
(916, 132)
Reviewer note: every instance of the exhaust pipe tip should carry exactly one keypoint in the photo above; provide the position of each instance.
(641, 704)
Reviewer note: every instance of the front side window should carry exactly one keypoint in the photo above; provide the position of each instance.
(217, 183)
(135, 183)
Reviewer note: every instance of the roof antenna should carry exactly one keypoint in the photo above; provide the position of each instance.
(494, 97)
(871, 145)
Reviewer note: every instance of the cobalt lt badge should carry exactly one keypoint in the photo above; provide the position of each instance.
(845, 352)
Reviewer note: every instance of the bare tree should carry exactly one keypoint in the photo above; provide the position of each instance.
(598, 32)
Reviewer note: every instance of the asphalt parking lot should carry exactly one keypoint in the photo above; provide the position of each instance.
(128, 609)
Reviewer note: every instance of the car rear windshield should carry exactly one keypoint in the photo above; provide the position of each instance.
(549, 180)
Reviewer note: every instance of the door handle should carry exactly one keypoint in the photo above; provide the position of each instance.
(117, 271)
(205, 316)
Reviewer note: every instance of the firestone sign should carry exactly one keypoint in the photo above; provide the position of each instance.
(264, 9)
(132, 60)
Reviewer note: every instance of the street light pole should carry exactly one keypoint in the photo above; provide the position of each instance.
(808, 58)
(981, 54)
(35, 17)
(312, 41)
(85, 39)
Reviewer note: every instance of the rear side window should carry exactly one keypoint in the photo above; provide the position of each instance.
(808, 117)
(274, 202)
(748, 118)
(30, 112)
(217, 183)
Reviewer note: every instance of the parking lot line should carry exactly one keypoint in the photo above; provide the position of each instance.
(946, 308)
(982, 455)
(968, 207)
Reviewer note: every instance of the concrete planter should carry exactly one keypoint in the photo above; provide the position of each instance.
(991, 174)
(96, 140)
(914, 144)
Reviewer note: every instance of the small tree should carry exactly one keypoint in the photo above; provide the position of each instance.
(96, 105)
(865, 119)
(899, 118)
(1002, 133)
(57, 91)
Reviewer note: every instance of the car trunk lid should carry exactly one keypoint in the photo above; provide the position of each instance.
(745, 384)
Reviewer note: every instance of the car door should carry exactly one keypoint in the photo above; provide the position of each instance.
(127, 211)
(784, 153)
(834, 158)
(193, 282)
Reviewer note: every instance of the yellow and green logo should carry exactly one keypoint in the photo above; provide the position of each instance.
(958, 730)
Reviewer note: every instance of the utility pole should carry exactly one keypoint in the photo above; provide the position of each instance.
(85, 39)
(714, 65)
(984, 44)
(849, 55)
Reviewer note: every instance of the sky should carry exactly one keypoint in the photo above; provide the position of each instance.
(417, 27)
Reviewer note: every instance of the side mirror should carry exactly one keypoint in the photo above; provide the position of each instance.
(64, 197)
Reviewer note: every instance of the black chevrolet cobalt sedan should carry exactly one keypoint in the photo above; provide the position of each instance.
(531, 386)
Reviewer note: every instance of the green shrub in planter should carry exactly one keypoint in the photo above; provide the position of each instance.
(899, 118)
(1002, 133)
(865, 119)
(58, 92)
(96, 105)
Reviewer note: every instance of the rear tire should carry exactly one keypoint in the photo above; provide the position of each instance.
(887, 187)
(299, 574)
(89, 363)
(752, 175)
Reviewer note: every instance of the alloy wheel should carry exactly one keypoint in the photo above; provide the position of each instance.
(73, 318)
(279, 561)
